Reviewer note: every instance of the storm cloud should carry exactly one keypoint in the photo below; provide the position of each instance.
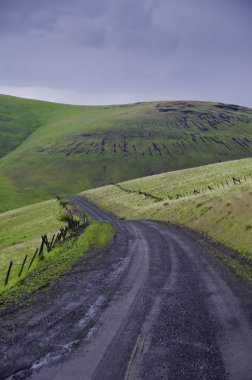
(116, 51)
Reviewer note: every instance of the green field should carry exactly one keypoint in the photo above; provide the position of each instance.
(223, 212)
(49, 149)
(21, 230)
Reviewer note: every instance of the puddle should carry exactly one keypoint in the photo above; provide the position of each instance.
(92, 311)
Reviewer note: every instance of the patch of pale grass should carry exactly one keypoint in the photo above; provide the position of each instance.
(224, 214)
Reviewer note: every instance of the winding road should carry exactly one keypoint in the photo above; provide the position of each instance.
(155, 304)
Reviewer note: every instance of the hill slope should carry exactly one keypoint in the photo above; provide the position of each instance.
(53, 148)
(209, 199)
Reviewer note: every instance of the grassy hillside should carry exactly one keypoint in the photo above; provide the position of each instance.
(49, 148)
(21, 117)
(21, 230)
(206, 199)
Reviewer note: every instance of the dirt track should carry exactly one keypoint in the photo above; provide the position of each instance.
(154, 305)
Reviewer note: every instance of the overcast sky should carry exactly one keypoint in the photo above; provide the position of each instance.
(120, 51)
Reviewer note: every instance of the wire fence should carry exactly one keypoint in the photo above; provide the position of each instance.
(47, 245)
(195, 191)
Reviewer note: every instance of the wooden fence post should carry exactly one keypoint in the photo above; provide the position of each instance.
(41, 249)
(236, 180)
(8, 273)
(46, 242)
(55, 240)
(51, 244)
(33, 257)
(22, 267)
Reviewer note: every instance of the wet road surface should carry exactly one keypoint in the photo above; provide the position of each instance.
(153, 305)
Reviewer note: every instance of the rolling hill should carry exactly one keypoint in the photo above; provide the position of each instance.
(48, 149)
(214, 199)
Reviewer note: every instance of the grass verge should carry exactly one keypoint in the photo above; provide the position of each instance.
(239, 267)
(20, 232)
(58, 261)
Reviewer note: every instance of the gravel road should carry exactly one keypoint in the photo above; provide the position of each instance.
(153, 305)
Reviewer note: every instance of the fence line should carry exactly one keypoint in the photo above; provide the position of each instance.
(71, 228)
(234, 181)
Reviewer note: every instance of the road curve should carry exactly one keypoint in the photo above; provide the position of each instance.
(154, 305)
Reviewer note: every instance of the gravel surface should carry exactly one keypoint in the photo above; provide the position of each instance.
(153, 305)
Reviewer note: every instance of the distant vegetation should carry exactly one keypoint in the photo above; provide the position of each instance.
(221, 207)
(48, 149)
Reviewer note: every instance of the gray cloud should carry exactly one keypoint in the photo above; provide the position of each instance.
(106, 48)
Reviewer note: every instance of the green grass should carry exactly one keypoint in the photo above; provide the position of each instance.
(49, 149)
(225, 214)
(240, 268)
(19, 118)
(20, 233)
(57, 262)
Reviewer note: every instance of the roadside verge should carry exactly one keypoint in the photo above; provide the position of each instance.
(59, 261)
